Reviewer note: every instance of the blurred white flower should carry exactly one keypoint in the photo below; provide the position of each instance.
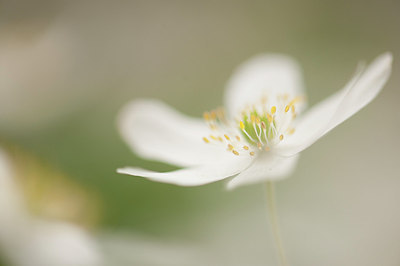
(261, 133)
(26, 239)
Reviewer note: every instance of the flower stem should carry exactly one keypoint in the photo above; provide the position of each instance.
(274, 220)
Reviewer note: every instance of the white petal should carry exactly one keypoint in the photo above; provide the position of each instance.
(263, 75)
(323, 117)
(266, 167)
(194, 176)
(155, 131)
(60, 244)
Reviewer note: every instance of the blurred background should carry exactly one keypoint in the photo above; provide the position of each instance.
(67, 67)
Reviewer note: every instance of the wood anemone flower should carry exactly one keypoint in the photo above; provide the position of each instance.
(257, 136)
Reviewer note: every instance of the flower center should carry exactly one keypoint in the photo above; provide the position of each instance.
(259, 126)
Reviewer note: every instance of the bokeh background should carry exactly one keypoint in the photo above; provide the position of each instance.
(67, 67)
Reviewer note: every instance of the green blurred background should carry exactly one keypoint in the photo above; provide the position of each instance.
(69, 66)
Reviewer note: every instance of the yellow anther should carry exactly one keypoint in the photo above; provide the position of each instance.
(246, 147)
(237, 138)
(221, 112)
(291, 131)
(263, 125)
(206, 140)
(220, 139)
(230, 147)
(213, 115)
(291, 104)
(270, 118)
(213, 137)
(235, 152)
(241, 125)
(259, 145)
(227, 137)
(273, 109)
(253, 118)
(252, 153)
(206, 116)
(213, 127)
(258, 121)
(281, 137)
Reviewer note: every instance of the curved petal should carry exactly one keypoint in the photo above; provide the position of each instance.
(194, 176)
(155, 131)
(266, 167)
(323, 117)
(264, 75)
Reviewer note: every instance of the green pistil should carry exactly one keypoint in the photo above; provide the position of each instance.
(258, 121)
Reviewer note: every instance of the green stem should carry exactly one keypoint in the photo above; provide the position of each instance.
(274, 220)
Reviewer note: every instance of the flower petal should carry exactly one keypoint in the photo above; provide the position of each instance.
(53, 243)
(155, 131)
(263, 75)
(323, 117)
(194, 176)
(266, 167)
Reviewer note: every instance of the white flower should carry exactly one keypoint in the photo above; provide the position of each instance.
(261, 133)
(26, 239)
(30, 239)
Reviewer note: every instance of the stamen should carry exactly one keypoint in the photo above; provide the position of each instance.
(253, 118)
(213, 115)
(270, 118)
(242, 127)
(287, 108)
(213, 137)
(263, 125)
(265, 135)
(221, 113)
